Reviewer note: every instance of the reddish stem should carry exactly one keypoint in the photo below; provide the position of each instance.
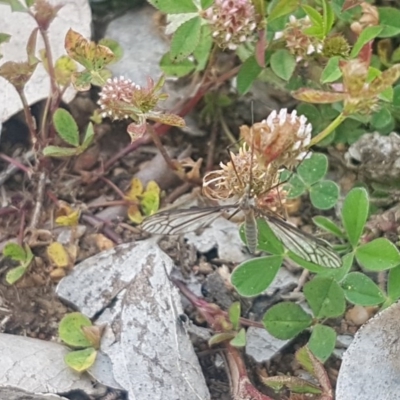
(22, 167)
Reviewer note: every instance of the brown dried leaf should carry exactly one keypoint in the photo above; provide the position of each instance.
(318, 96)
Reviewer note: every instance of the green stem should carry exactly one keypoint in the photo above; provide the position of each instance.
(329, 129)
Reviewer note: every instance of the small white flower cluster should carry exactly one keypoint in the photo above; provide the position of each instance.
(115, 96)
(232, 22)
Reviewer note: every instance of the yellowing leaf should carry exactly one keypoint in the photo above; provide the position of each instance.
(66, 216)
(135, 190)
(150, 202)
(134, 214)
(94, 57)
(153, 187)
(64, 68)
(150, 199)
(81, 360)
(58, 255)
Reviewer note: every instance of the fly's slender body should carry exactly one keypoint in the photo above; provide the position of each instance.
(250, 222)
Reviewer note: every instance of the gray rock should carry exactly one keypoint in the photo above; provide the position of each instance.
(143, 45)
(371, 365)
(74, 14)
(129, 289)
(261, 345)
(38, 367)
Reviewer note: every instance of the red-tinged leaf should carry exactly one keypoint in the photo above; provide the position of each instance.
(31, 47)
(44, 13)
(18, 74)
(311, 363)
(94, 57)
(136, 131)
(365, 53)
(293, 383)
(318, 96)
(349, 4)
(261, 45)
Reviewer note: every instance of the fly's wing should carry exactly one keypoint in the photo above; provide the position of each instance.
(176, 222)
(306, 246)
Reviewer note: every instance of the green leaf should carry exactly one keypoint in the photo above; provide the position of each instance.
(325, 297)
(206, 4)
(248, 73)
(14, 251)
(328, 225)
(234, 314)
(393, 283)
(378, 255)
(283, 64)
(177, 69)
(355, 213)
(331, 72)
(340, 273)
(115, 47)
(324, 194)
(56, 151)
(315, 16)
(382, 118)
(328, 17)
(4, 38)
(81, 360)
(15, 274)
(66, 127)
(240, 339)
(313, 169)
(367, 34)
(203, 50)
(252, 277)
(396, 96)
(286, 320)
(185, 39)
(295, 187)
(322, 341)
(267, 241)
(361, 290)
(281, 8)
(174, 6)
(89, 136)
(70, 330)
(15, 5)
(389, 18)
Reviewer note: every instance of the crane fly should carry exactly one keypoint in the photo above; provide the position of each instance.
(305, 246)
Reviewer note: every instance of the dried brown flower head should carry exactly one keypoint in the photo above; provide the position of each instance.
(370, 17)
(242, 172)
(281, 139)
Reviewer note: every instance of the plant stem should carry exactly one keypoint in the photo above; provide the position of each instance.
(161, 148)
(28, 117)
(329, 129)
